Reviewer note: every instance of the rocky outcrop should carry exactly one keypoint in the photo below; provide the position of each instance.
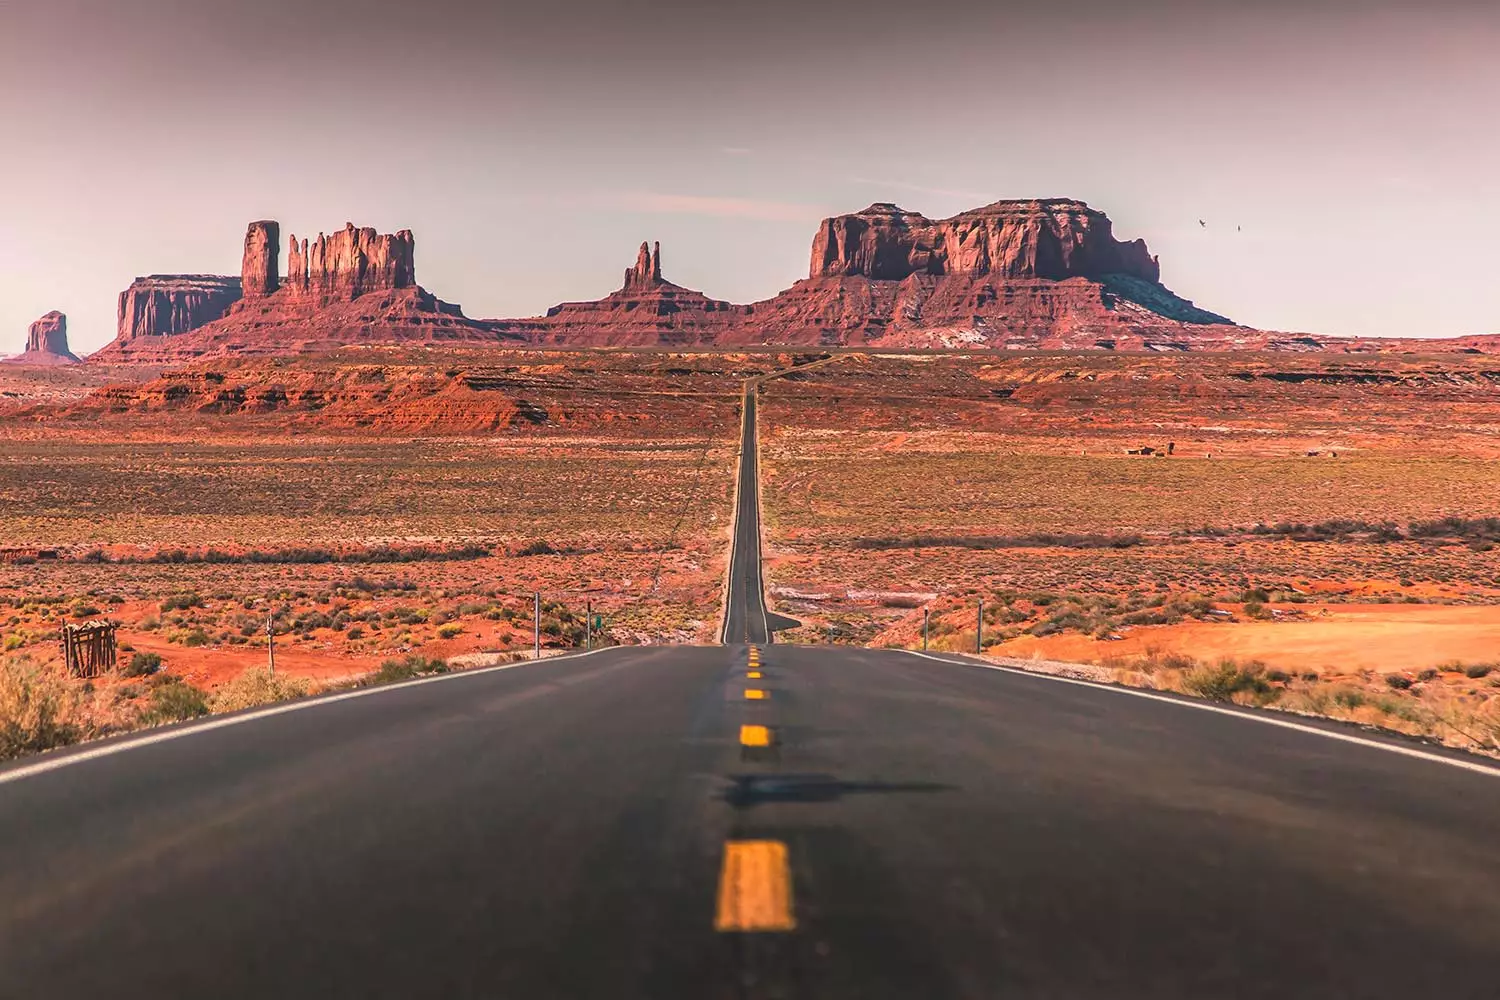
(350, 263)
(169, 304)
(260, 272)
(46, 342)
(647, 310)
(49, 335)
(647, 270)
(1054, 239)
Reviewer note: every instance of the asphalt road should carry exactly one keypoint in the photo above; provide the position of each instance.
(745, 618)
(557, 830)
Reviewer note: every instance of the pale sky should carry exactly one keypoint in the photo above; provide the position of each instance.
(531, 148)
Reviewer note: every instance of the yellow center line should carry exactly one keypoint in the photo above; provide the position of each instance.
(755, 736)
(754, 675)
(755, 694)
(755, 887)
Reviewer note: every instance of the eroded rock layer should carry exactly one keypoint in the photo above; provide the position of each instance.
(350, 263)
(1054, 239)
(161, 305)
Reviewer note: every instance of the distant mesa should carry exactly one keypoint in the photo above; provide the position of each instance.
(354, 286)
(165, 305)
(1054, 239)
(47, 342)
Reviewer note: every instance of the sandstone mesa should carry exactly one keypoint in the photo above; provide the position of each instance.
(1032, 274)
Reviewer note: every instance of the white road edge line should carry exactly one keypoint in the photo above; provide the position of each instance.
(43, 766)
(1265, 719)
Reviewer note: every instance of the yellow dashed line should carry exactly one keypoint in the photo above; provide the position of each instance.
(755, 694)
(755, 736)
(755, 887)
(754, 675)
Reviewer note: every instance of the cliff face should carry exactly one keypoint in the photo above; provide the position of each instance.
(167, 304)
(260, 271)
(1052, 239)
(49, 335)
(350, 263)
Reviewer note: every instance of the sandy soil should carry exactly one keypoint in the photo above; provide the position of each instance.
(1335, 639)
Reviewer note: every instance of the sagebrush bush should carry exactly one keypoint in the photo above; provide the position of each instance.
(176, 701)
(258, 686)
(142, 665)
(40, 708)
(1223, 680)
(406, 668)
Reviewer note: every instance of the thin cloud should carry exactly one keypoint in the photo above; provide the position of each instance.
(724, 208)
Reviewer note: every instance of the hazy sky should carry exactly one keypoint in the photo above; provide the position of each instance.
(531, 147)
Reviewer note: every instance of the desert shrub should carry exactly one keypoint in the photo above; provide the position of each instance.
(354, 632)
(1427, 674)
(181, 602)
(176, 701)
(450, 630)
(1478, 670)
(1223, 680)
(142, 665)
(1350, 698)
(540, 547)
(258, 686)
(39, 708)
(901, 601)
(405, 668)
(1398, 681)
(1036, 540)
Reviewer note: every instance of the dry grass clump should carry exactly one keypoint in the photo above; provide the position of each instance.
(39, 708)
(258, 686)
(1468, 719)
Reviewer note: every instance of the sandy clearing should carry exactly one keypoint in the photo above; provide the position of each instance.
(1339, 638)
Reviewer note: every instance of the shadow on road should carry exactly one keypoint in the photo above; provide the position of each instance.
(751, 789)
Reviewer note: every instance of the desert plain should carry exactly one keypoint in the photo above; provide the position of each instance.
(1277, 529)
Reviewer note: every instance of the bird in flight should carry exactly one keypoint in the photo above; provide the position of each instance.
(1202, 224)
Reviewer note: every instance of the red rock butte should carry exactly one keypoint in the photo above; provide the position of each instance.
(354, 286)
(1055, 239)
(47, 342)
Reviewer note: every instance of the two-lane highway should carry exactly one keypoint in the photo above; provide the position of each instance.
(559, 829)
(745, 617)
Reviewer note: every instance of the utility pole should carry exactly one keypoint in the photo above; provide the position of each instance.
(271, 641)
(979, 630)
(536, 625)
(926, 617)
(588, 625)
